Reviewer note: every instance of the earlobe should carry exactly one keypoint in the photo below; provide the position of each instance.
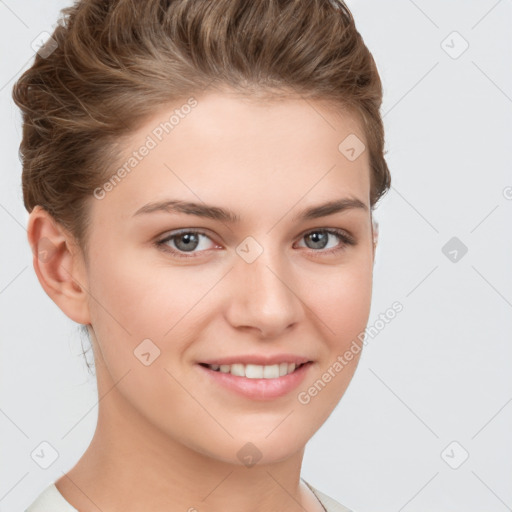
(58, 265)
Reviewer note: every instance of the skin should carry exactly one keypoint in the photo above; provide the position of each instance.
(166, 437)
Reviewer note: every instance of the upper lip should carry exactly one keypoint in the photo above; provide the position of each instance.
(258, 359)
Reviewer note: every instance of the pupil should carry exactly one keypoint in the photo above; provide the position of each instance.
(319, 239)
(190, 239)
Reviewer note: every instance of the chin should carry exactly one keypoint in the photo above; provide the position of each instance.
(257, 449)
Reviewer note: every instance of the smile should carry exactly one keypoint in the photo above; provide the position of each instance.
(256, 371)
(254, 381)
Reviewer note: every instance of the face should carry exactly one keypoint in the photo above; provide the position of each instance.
(244, 280)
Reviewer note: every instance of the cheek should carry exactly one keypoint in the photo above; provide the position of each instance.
(341, 303)
(123, 308)
(134, 295)
(135, 300)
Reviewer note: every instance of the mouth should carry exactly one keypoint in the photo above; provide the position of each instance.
(256, 371)
(254, 381)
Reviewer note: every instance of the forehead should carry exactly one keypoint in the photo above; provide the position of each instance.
(222, 147)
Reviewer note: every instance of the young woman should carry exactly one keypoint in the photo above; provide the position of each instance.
(201, 178)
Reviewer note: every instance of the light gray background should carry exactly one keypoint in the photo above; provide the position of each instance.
(439, 372)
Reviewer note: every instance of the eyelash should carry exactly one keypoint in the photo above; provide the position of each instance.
(346, 240)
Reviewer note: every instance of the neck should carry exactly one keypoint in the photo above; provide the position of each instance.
(131, 465)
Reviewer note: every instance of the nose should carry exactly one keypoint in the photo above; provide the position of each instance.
(264, 295)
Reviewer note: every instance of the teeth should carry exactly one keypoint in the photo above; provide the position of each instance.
(255, 371)
(238, 369)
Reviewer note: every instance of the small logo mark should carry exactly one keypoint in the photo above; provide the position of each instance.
(146, 352)
(249, 455)
(46, 250)
(507, 193)
(455, 455)
(44, 45)
(351, 147)
(454, 45)
(249, 249)
(44, 455)
(454, 250)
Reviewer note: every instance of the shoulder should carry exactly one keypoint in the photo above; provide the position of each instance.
(50, 499)
(329, 503)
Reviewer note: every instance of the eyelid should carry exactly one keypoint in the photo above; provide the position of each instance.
(346, 239)
(336, 231)
(161, 241)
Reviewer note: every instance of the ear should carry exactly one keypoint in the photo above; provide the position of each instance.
(59, 265)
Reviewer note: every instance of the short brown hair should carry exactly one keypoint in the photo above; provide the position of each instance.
(111, 63)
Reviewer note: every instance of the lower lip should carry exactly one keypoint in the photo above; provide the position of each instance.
(259, 389)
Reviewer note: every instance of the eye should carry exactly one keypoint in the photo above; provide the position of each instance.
(319, 239)
(185, 241)
(188, 240)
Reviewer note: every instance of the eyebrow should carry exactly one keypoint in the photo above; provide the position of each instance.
(226, 215)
